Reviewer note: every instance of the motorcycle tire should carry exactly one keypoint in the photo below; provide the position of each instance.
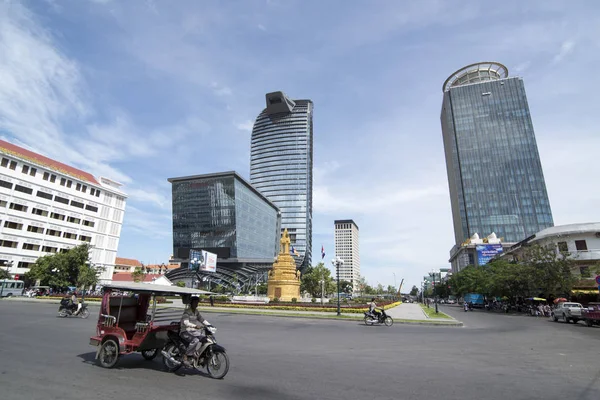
(173, 351)
(85, 313)
(388, 321)
(62, 313)
(217, 364)
(369, 321)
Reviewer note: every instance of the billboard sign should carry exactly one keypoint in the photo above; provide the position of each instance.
(485, 252)
(202, 260)
(210, 262)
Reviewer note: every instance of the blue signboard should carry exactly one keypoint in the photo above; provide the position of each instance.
(485, 252)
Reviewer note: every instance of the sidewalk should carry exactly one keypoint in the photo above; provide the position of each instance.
(413, 312)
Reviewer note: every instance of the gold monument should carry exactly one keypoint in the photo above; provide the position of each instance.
(284, 279)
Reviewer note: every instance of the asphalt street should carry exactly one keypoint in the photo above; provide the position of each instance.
(493, 356)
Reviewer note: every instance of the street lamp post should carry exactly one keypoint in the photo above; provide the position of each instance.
(194, 261)
(395, 290)
(338, 262)
(433, 273)
(322, 282)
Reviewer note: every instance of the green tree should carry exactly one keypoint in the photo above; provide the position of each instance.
(414, 291)
(138, 275)
(369, 289)
(71, 268)
(180, 284)
(345, 287)
(379, 288)
(4, 274)
(310, 281)
(361, 285)
(391, 289)
(552, 271)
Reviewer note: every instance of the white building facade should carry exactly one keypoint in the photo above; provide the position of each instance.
(48, 207)
(347, 248)
(581, 242)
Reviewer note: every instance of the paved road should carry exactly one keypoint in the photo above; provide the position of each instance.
(493, 357)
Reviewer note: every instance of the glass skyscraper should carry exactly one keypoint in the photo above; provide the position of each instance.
(494, 171)
(281, 164)
(223, 214)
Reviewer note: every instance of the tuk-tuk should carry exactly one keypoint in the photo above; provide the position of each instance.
(131, 323)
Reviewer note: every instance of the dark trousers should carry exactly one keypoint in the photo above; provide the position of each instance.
(192, 338)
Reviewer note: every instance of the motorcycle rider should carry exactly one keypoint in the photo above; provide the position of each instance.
(75, 304)
(191, 328)
(373, 309)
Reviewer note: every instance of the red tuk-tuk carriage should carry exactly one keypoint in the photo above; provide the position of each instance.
(131, 322)
(591, 314)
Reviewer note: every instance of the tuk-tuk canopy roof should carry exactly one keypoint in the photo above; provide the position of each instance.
(152, 288)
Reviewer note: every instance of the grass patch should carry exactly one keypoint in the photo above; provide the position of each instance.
(430, 312)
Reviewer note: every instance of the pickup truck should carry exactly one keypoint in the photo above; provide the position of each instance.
(567, 312)
(591, 314)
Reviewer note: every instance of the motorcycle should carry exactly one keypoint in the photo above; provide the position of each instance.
(371, 319)
(66, 310)
(208, 354)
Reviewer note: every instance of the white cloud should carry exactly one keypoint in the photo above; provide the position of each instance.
(261, 27)
(565, 49)
(245, 126)
(153, 225)
(45, 104)
(140, 195)
(522, 67)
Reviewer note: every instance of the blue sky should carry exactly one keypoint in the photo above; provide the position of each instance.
(140, 91)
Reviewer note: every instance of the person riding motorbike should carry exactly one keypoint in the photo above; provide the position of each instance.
(373, 308)
(191, 328)
(75, 304)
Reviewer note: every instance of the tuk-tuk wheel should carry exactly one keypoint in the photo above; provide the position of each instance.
(109, 354)
(149, 354)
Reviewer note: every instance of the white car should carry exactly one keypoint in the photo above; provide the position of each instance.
(567, 312)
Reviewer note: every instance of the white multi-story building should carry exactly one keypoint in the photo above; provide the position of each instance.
(580, 242)
(347, 248)
(47, 207)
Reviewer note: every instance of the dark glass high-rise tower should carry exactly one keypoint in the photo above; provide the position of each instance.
(281, 166)
(494, 171)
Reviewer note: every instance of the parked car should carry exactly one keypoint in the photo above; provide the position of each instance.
(567, 312)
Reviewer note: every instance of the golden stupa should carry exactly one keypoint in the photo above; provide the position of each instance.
(284, 279)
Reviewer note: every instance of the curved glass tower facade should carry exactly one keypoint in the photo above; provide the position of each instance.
(494, 170)
(281, 163)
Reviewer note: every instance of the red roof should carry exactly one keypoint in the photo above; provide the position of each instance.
(129, 262)
(39, 159)
(126, 277)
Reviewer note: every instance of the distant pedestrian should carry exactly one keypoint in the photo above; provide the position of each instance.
(212, 301)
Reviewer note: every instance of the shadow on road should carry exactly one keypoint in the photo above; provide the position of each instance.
(136, 361)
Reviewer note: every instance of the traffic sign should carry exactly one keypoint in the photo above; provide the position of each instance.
(598, 280)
